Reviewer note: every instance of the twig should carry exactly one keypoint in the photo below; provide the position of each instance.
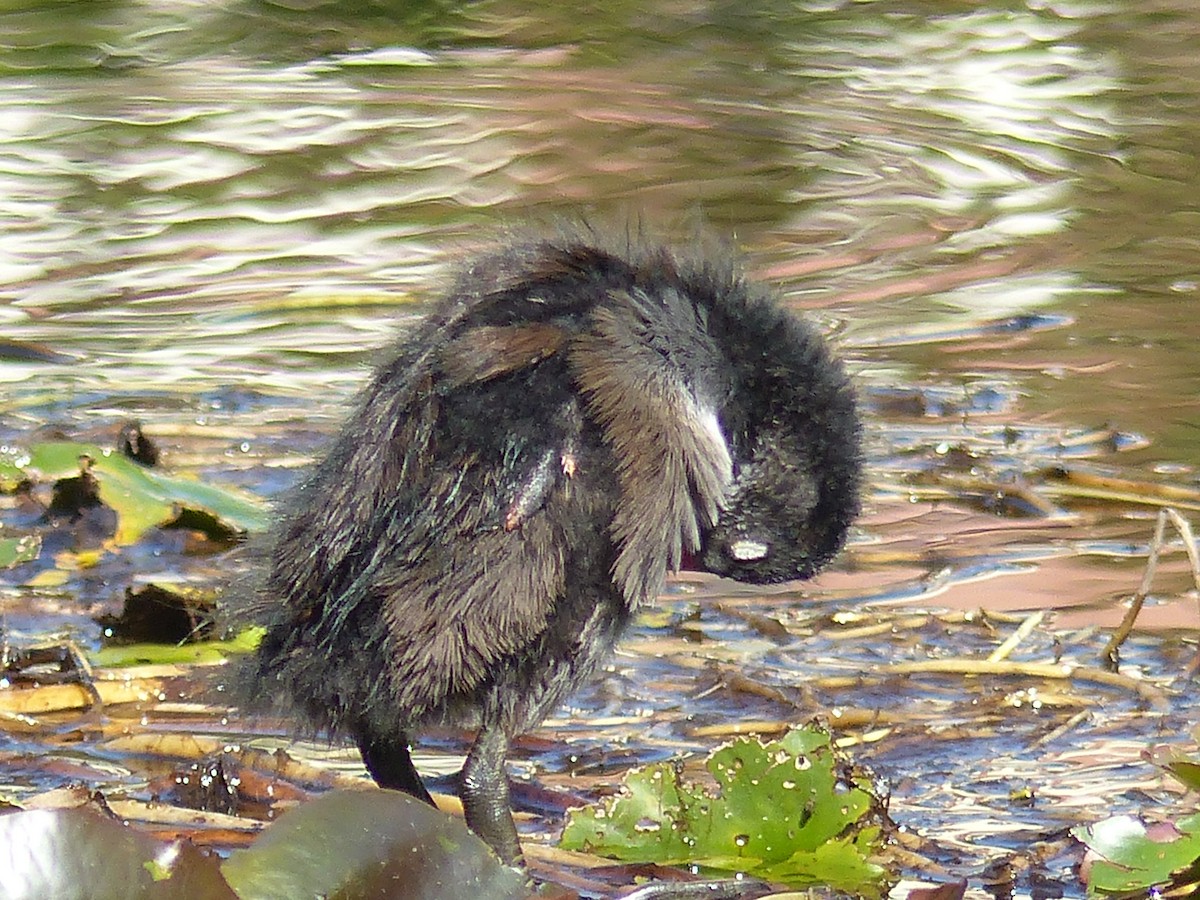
(1111, 655)
(1022, 632)
(1057, 671)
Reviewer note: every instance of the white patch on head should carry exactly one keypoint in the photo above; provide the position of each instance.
(746, 550)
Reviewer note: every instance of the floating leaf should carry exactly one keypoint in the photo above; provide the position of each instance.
(1130, 859)
(177, 654)
(785, 812)
(12, 471)
(1179, 763)
(142, 498)
(14, 551)
(49, 578)
(81, 853)
(370, 844)
(1186, 771)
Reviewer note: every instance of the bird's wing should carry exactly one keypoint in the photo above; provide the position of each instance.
(648, 373)
(462, 567)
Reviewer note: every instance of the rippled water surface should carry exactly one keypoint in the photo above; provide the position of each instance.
(212, 214)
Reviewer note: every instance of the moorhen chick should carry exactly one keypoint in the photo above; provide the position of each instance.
(574, 420)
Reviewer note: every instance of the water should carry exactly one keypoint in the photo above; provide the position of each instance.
(212, 215)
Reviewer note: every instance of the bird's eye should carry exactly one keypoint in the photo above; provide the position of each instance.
(747, 550)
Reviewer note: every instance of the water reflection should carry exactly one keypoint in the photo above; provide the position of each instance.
(255, 154)
(212, 215)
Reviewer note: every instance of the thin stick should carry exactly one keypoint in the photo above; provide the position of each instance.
(1054, 671)
(1111, 655)
(1022, 632)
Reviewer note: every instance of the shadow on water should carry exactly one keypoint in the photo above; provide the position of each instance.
(215, 214)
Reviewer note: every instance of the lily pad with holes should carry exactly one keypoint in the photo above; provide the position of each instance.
(789, 810)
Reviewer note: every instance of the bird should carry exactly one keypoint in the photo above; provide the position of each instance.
(579, 415)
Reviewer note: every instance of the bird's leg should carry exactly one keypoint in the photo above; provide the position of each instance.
(388, 761)
(484, 793)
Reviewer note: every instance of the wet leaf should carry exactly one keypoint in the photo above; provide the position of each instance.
(142, 498)
(12, 472)
(79, 853)
(365, 844)
(784, 812)
(1183, 767)
(1187, 771)
(14, 551)
(176, 654)
(44, 698)
(49, 578)
(1131, 859)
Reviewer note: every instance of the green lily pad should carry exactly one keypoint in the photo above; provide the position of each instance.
(367, 844)
(345, 844)
(14, 551)
(142, 498)
(785, 811)
(1130, 859)
(81, 853)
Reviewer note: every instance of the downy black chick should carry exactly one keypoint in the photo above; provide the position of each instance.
(573, 421)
